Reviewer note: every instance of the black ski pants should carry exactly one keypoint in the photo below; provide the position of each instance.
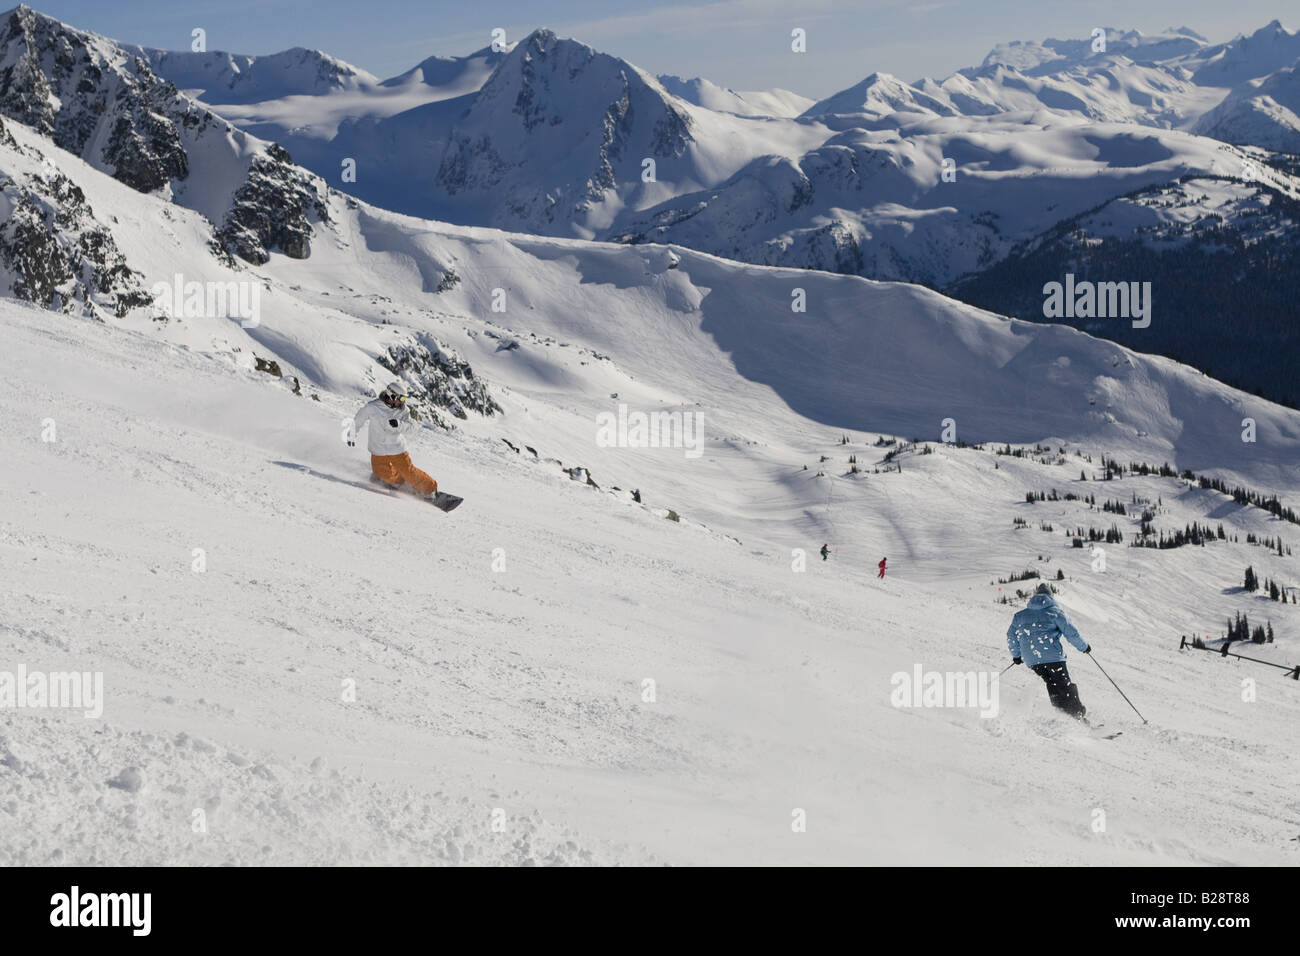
(1063, 694)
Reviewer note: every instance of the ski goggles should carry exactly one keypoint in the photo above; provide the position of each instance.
(394, 399)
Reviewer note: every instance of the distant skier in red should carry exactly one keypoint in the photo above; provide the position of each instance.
(881, 565)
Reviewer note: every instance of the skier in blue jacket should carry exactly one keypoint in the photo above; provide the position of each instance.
(1035, 637)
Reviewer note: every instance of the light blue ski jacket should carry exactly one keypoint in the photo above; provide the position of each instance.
(1035, 633)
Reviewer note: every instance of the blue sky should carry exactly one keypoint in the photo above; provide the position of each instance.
(743, 44)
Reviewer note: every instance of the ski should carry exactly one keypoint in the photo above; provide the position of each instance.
(1097, 730)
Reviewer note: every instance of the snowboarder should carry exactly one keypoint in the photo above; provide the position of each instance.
(1035, 635)
(881, 565)
(388, 417)
(826, 551)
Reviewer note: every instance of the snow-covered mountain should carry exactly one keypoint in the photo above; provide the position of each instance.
(558, 113)
(563, 139)
(612, 652)
(1171, 80)
(878, 96)
(1168, 80)
(1270, 48)
(1034, 58)
(475, 158)
(1265, 115)
(229, 79)
(53, 250)
(1223, 253)
(934, 183)
(877, 202)
(353, 246)
(453, 75)
(484, 689)
(106, 106)
(96, 101)
(701, 92)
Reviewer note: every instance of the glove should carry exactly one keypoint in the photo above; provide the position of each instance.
(1016, 660)
(1087, 649)
(393, 422)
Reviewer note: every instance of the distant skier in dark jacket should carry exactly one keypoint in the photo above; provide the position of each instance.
(1035, 637)
(881, 565)
(826, 551)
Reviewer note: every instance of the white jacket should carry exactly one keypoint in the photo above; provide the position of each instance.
(384, 438)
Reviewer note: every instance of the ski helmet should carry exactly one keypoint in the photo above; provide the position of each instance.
(394, 390)
(1043, 588)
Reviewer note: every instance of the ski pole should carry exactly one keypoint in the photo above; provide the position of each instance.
(1007, 668)
(1116, 686)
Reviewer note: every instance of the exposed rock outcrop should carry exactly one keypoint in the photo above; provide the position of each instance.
(439, 378)
(273, 210)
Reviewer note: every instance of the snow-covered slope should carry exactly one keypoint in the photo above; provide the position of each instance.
(931, 183)
(455, 75)
(370, 264)
(1034, 58)
(1169, 80)
(1270, 48)
(701, 92)
(877, 203)
(1111, 89)
(1267, 115)
(221, 78)
(608, 653)
(347, 679)
(338, 649)
(880, 95)
(319, 108)
(1223, 253)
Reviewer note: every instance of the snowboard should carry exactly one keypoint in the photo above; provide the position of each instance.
(445, 502)
(441, 500)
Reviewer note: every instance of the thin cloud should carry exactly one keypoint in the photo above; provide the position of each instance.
(725, 14)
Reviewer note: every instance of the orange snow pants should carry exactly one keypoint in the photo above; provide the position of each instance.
(396, 469)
